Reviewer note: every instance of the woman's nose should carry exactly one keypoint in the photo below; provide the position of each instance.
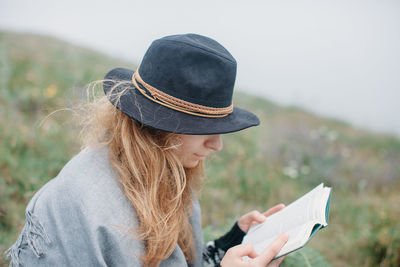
(214, 142)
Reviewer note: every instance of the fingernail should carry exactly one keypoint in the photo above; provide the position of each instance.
(286, 235)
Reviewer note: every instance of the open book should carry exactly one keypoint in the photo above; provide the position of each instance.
(301, 219)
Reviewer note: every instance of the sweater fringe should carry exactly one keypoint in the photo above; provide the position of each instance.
(33, 235)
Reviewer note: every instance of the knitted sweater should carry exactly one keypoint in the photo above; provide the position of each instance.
(81, 217)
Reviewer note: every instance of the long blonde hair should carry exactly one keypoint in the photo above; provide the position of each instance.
(152, 178)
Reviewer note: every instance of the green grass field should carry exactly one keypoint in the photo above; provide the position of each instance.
(290, 153)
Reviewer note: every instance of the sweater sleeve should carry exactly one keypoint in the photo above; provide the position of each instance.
(214, 251)
(67, 229)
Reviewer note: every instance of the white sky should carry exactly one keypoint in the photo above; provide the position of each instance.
(339, 58)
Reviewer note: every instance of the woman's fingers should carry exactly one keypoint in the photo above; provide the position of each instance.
(272, 250)
(255, 215)
(249, 219)
(246, 250)
(274, 209)
(234, 256)
(275, 263)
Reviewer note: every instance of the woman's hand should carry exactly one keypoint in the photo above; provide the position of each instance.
(234, 256)
(254, 217)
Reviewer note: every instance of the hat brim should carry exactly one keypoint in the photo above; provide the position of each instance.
(156, 116)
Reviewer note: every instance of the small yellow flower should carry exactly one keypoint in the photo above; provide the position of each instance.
(50, 91)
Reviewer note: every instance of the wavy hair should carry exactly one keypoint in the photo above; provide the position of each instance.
(151, 176)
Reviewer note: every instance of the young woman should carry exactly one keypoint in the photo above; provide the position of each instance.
(129, 197)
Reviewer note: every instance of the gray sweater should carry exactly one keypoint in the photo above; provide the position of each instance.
(81, 217)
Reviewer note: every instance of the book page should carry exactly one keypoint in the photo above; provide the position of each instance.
(325, 205)
(296, 219)
(297, 239)
(295, 214)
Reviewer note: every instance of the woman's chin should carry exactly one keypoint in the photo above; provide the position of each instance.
(191, 164)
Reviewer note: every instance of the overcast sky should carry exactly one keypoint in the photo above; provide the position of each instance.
(338, 58)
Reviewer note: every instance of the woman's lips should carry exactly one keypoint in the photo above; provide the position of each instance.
(200, 156)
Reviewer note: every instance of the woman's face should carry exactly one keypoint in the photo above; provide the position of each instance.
(193, 148)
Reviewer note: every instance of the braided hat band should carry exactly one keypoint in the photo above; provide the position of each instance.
(172, 102)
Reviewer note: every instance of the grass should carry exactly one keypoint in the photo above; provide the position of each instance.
(291, 152)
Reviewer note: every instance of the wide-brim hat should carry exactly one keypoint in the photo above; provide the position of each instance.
(183, 85)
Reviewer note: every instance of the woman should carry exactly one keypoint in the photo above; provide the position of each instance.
(129, 197)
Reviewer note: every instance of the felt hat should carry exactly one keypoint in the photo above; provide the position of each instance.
(184, 85)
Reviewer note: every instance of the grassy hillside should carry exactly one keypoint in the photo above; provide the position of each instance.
(290, 153)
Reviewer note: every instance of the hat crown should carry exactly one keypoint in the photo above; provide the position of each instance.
(190, 67)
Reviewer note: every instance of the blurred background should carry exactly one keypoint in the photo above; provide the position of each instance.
(323, 76)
